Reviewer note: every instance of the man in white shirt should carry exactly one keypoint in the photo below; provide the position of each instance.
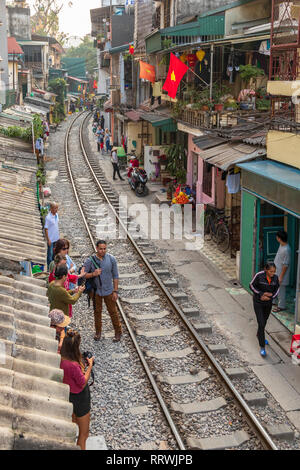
(282, 262)
(115, 164)
(51, 230)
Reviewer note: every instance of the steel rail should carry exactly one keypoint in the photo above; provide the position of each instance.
(131, 333)
(250, 417)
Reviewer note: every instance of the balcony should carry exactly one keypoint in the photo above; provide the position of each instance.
(216, 119)
(208, 28)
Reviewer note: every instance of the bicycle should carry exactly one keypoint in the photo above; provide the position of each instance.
(215, 225)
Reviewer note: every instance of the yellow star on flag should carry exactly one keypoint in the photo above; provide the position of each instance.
(173, 77)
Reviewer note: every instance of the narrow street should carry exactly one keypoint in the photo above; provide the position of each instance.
(223, 305)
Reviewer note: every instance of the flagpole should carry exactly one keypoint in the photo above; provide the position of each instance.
(207, 84)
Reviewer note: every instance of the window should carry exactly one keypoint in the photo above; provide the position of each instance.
(207, 179)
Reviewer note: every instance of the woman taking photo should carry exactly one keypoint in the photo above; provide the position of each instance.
(77, 378)
(59, 297)
(265, 287)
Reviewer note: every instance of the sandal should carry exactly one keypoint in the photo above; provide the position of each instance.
(277, 309)
(97, 337)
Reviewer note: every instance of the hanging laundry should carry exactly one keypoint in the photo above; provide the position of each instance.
(233, 183)
(39, 145)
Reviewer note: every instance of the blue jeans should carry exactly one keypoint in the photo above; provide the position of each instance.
(50, 253)
(107, 146)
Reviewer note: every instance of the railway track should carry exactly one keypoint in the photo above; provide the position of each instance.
(166, 323)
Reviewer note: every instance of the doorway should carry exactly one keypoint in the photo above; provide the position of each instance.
(270, 220)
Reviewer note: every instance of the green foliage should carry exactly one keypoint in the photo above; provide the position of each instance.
(40, 176)
(166, 43)
(25, 133)
(176, 162)
(87, 52)
(178, 108)
(38, 128)
(58, 86)
(17, 132)
(263, 104)
(248, 72)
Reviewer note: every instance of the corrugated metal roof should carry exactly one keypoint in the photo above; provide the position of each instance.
(275, 171)
(224, 156)
(21, 236)
(258, 138)
(133, 115)
(9, 120)
(10, 143)
(35, 412)
(38, 102)
(207, 141)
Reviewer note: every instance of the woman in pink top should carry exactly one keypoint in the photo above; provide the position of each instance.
(77, 378)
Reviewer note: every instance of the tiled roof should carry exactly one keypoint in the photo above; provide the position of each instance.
(13, 47)
(35, 412)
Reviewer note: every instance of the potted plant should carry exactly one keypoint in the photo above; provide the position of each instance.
(250, 74)
(170, 190)
(176, 156)
(220, 94)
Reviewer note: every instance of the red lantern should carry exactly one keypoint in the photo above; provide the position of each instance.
(192, 58)
(131, 50)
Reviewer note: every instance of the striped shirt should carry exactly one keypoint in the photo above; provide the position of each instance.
(260, 284)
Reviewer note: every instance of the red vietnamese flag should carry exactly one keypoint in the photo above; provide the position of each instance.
(147, 71)
(176, 71)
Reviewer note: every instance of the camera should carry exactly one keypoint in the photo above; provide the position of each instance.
(88, 355)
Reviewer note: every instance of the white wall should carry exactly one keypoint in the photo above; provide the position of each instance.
(3, 52)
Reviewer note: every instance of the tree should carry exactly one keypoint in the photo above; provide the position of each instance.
(58, 86)
(87, 52)
(45, 21)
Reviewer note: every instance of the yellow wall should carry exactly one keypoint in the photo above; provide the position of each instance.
(133, 129)
(284, 147)
(284, 87)
(10, 73)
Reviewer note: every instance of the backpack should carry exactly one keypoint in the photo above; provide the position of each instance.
(90, 287)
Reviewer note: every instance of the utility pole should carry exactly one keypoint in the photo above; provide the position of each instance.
(14, 70)
(211, 71)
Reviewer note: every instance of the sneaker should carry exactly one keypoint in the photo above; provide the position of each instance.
(266, 342)
(263, 352)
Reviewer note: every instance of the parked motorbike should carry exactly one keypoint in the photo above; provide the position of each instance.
(137, 181)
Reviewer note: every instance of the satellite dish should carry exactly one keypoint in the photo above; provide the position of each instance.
(47, 97)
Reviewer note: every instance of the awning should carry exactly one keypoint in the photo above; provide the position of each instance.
(108, 105)
(167, 124)
(77, 79)
(118, 49)
(226, 155)
(277, 172)
(205, 142)
(133, 115)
